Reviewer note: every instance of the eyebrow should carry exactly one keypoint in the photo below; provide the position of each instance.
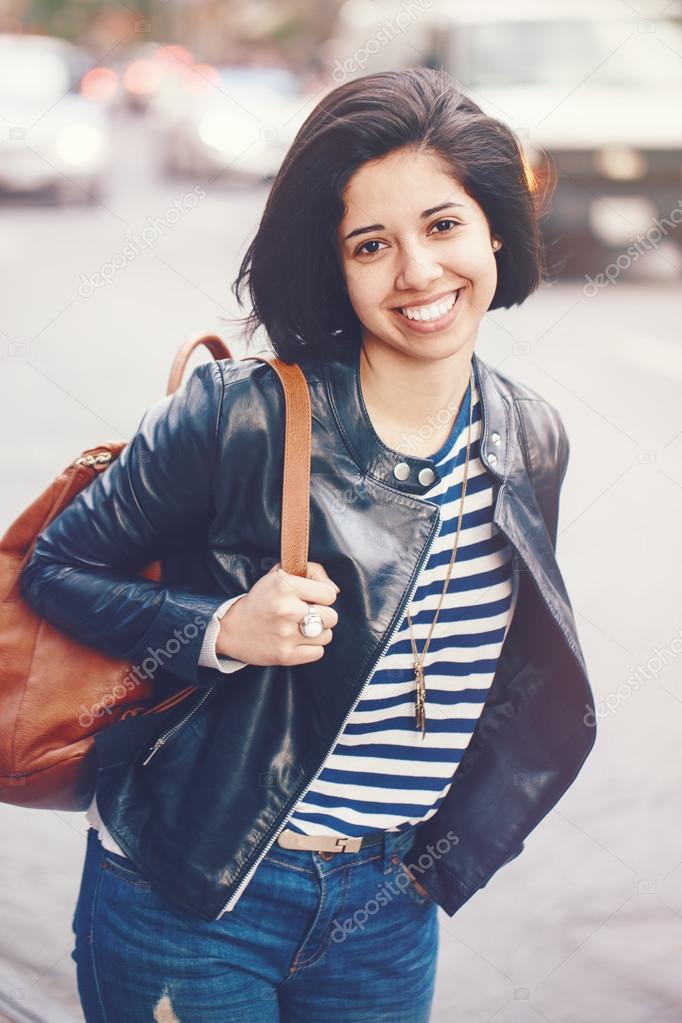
(381, 227)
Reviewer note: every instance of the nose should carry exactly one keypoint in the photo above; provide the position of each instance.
(417, 270)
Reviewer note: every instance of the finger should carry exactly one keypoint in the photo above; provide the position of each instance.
(323, 639)
(314, 570)
(313, 591)
(319, 572)
(307, 654)
(328, 615)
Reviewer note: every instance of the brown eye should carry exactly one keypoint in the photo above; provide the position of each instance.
(447, 221)
(359, 252)
(362, 250)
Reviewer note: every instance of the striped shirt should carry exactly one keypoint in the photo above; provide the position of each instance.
(380, 774)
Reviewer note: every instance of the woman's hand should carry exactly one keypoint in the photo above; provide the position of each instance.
(262, 626)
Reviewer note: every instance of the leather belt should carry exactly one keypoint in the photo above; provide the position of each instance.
(289, 839)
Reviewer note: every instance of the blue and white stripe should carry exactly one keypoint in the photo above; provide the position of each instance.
(381, 775)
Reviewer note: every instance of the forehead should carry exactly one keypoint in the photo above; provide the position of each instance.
(402, 183)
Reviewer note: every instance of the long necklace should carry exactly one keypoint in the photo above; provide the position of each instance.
(418, 662)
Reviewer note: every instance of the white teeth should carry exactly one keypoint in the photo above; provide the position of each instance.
(431, 312)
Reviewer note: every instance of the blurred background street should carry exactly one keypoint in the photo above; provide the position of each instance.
(137, 147)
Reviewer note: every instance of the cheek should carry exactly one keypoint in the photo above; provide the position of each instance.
(364, 291)
(489, 274)
(475, 256)
(480, 266)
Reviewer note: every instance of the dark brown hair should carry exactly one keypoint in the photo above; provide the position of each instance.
(292, 268)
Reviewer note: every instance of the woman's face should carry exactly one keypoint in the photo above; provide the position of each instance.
(407, 253)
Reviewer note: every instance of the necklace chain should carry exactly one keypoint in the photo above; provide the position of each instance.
(418, 661)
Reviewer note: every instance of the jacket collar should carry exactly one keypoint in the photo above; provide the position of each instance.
(382, 462)
(516, 512)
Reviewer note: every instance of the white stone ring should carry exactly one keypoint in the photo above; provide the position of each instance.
(311, 625)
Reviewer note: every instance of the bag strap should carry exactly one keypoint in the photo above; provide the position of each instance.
(297, 445)
(297, 451)
(215, 345)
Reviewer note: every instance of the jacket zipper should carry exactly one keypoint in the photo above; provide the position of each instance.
(234, 898)
(177, 726)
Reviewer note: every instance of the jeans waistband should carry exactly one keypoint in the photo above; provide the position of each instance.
(386, 843)
(289, 839)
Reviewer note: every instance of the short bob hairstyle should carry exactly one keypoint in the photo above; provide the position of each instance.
(292, 268)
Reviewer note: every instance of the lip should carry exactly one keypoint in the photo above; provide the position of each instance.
(427, 301)
(431, 326)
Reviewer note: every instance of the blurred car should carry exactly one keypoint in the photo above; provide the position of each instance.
(54, 137)
(237, 122)
(144, 70)
(601, 95)
(595, 86)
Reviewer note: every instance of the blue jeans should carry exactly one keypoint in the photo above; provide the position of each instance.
(345, 940)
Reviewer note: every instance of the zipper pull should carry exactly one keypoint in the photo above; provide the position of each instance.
(154, 748)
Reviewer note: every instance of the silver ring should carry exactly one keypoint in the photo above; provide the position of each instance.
(311, 625)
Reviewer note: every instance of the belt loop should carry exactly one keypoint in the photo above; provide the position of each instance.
(392, 842)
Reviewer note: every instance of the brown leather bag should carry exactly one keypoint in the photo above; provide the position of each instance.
(47, 757)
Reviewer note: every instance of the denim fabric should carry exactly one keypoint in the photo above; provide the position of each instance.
(346, 940)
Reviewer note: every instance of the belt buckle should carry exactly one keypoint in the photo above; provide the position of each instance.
(348, 844)
(319, 843)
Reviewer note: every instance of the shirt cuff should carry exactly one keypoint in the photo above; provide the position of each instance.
(208, 658)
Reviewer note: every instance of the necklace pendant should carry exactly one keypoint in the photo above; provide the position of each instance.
(419, 703)
(421, 716)
(418, 708)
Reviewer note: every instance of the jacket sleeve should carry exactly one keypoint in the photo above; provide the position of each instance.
(564, 450)
(546, 450)
(81, 574)
(563, 453)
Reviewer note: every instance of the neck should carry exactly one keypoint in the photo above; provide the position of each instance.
(407, 397)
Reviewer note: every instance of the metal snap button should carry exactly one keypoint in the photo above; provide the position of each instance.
(495, 437)
(492, 458)
(401, 471)
(426, 476)
(326, 855)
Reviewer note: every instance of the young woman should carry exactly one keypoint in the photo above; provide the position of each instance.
(377, 739)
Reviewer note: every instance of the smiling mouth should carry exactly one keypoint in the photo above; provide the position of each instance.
(430, 313)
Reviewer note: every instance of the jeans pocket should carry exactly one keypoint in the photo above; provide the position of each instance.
(411, 889)
(125, 870)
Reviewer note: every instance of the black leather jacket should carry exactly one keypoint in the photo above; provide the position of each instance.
(199, 485)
